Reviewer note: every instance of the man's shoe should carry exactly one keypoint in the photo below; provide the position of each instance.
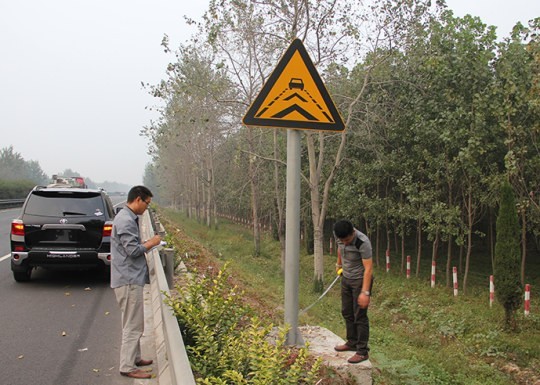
(144, 362)
(137, 374)
(344, 348)
(357, 358)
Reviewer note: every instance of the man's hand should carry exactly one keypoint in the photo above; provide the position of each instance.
(363, 300)
(154, 241)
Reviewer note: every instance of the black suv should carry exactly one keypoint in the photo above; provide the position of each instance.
(61, 226)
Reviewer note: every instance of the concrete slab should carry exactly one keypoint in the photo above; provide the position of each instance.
(321, 344)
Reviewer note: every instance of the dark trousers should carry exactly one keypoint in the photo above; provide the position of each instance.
(356, 318)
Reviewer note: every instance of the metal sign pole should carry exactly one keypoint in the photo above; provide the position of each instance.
(292, 238)
(294, 97)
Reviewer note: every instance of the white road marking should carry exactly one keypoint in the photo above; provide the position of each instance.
(5, 257)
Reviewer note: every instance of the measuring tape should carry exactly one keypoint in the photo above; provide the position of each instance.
(324, 293)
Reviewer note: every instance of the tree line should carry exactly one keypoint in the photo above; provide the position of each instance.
(18, 176)
(14, 167)
(439, 112)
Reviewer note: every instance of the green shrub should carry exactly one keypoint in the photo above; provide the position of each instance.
(226, 345)
(507, 256)
(15, 189)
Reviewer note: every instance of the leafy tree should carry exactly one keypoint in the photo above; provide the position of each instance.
(518, 114)
(14, 167)
(507, 256)
(436, 112)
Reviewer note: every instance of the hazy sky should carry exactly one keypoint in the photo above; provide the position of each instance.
(71, 72)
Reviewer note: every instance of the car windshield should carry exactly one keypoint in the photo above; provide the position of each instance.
(56, 204)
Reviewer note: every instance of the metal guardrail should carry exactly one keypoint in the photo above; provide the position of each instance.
(8, 203)
(179, 368)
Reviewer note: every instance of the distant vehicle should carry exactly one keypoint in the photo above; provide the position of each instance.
(73, 181)
(296, 83)
(62, 227)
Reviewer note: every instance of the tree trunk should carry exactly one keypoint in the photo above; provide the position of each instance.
(213, 190)
(449, 260)
(435, 247)
(461, 258)
(396, 242)
(377, 244)
(197, 200)
(279, 203)
(402, 235)
(523, 245)
(469, 240)
(318, 243)
(253, 181)
(387, 238)
(403, 261)
(491, 240)
(419, 245)
(208, 197)
(315, 175)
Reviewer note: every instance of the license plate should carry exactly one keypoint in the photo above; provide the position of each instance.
(63, 254)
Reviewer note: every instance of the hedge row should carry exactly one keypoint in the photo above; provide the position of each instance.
(15, 189)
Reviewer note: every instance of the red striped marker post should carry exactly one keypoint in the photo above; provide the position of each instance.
(527, 299)
(408, 266)
(491, 291)
(387, 260)
(433, 266)
(454, 276)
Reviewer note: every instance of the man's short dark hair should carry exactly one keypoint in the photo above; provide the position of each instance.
(343, 228)
(139, 191)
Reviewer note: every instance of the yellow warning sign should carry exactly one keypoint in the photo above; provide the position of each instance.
(295, 96)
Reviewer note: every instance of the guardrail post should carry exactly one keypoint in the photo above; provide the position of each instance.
(160, 229)
(167, 258)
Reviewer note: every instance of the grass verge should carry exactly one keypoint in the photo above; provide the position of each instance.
(419, 335)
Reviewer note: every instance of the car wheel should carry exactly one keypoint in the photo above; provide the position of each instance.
(22, 276)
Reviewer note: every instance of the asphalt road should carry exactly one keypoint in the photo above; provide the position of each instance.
(61, 328)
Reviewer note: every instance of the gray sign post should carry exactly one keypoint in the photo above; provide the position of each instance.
(292, 238)
(294, 97)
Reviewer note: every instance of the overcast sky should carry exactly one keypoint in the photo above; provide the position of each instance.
(71, 73)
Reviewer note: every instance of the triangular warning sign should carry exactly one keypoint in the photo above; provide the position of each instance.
(295, 96)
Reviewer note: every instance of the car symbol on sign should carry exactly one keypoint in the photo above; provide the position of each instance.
(296, 83)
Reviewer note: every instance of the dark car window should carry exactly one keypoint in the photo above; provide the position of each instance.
(55, 204)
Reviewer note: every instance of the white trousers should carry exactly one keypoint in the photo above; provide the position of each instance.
(131, 301)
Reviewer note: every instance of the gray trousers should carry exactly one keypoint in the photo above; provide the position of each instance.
(131, 301)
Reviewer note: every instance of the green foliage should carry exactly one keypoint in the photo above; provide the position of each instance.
(15, 189)
(436, 115)
(507, 256)
(14, 167)
(226, 346)
(170, 240)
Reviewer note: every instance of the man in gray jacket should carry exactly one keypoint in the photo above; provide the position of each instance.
(129, 274)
